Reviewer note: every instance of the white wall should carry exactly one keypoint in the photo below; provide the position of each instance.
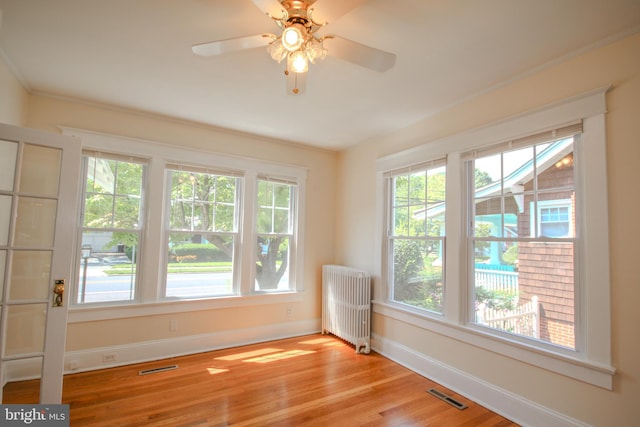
(617, 64)
(13, 97)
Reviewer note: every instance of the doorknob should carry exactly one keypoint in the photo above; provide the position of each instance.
(58, 291)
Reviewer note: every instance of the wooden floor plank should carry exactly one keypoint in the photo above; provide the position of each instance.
(316, 380)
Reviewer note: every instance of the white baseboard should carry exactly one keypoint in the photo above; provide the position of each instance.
(107, 357)
(503, 402)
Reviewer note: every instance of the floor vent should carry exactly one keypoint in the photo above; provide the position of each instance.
(156, 370)
(450, 400)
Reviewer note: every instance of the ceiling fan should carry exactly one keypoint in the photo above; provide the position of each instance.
(299, 43)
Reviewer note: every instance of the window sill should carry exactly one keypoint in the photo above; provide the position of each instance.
(90, 313)
(594, 373)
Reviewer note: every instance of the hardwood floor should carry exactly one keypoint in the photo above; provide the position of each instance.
(316, 380)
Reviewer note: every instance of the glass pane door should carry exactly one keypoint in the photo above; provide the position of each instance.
(35, 244)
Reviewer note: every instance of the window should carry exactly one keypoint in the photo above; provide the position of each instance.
(416, 236)
(523, 198)
(274, 238)
(190, 229)
(522, 241)
(554, 218)
(111, 228)
(202, 235)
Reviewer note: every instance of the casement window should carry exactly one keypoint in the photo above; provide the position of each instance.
(525, 218)
(186, 228)
(415, 236)
(111, 228)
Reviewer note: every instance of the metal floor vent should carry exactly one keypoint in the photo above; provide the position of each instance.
(156, 370)
(450, 400)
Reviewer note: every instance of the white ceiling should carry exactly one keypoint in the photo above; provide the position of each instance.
(136, 54)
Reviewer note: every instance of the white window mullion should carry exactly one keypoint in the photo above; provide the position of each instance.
(455, 272)
(248, 238)
(153, 262)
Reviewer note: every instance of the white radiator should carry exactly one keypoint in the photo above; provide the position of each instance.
(346, 305)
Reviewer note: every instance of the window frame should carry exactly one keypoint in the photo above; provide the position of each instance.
(290, 233)
(151, 271)
(82, 228)
(235, 234)
(391, 236)
(591, 361)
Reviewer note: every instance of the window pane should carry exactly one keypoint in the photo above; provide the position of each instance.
(417, 273)
(555, 166)
(274, 201)
(108, 205)
(101, 175)
(528, 290)
(107, 266)
(39, 164)
(127, 212)
(272, 266)
(199, 265)
(202, 201)
(8, 156)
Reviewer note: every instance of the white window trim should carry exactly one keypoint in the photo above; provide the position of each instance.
(592, 364)
(150, 301)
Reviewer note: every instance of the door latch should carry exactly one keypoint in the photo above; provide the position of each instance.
(58, 291)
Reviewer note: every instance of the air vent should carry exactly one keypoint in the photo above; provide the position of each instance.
(156, 370)
(450, 400)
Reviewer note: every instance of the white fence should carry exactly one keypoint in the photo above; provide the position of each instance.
(495, 280)
(523, 320)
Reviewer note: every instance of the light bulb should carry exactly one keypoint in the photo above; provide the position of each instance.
(292, 38)
(297, 62)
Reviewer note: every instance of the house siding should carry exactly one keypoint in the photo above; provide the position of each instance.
(547, 270)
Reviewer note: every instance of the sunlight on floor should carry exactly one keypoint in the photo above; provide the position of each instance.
(213, 371)
(248, 354)
(279, 356)
(325, 341)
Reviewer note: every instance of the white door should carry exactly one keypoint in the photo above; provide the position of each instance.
(39, 175)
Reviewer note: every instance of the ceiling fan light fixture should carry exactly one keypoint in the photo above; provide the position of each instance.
(297, 62)
(277, 50)
(315, 51)
(292, 37)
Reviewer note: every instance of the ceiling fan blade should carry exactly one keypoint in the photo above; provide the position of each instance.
(272, 8)
(232, 45)
(327, 11)
(359, 54)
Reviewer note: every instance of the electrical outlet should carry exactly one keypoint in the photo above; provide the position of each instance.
(109, 357)
(289, 311)
(173, 325)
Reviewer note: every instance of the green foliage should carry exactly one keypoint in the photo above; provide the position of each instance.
(510, 256)
(113, 194)
(202, 201)
(408, 261)
(498, 300)
(199, 252)
(482, 178)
